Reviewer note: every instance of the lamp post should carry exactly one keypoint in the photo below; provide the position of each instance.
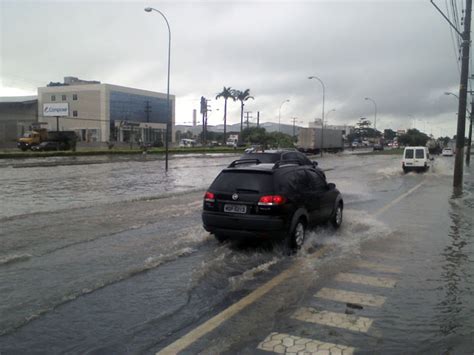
(279, 113)
(322, 122)
(327, 114)
(375, 111)
(168, 118)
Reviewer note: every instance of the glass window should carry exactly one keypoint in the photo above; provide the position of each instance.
(74, 96)
(420, 154)
(409, 154)
(64, 97)
(317, 183)
(53, 97)
(234, 181)
(74, 113)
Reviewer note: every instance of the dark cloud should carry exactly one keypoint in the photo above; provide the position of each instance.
(400, 53)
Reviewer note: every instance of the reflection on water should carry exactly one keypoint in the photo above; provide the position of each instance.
(457, 270)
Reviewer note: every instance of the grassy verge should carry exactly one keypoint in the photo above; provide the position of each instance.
(11, 153)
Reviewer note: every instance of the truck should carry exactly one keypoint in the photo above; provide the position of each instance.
(313, 140)
(232, 140)
(65, 139)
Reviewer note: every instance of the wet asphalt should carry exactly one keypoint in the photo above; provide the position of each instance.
(112, 258)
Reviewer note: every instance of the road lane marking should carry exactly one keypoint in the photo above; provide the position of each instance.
(214, 322)
(282, 343)
(398, 199)
(363, 299)
(229, 312)
(332, 319)
(365, 280)
(378, 267)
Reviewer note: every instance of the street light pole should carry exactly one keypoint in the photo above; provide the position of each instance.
(322, 122)
(168, 119)
(279, 113)
(375, 111)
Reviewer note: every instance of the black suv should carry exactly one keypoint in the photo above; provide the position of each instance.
(250, 199)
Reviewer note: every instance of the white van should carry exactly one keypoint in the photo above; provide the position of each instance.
(415, 158)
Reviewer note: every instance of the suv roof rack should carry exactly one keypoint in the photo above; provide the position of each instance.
(243, 161)
(279, 163)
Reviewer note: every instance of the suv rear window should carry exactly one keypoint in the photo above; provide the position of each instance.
(420, 154)
(255, 181)
(409, 154)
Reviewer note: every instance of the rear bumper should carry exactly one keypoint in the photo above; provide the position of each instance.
(245, 226)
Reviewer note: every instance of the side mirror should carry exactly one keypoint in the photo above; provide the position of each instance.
(331, 186)
(315, 163)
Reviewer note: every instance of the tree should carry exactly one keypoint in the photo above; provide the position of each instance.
(254, 135)
(242, 96)
(413, 137)
(227, 93)
(389, 134)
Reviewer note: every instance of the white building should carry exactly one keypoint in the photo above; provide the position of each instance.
(105, 112)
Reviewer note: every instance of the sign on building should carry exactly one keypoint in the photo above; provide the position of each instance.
(56, 109)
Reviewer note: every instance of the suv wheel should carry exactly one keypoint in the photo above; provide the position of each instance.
(336, 219)
(297, 235)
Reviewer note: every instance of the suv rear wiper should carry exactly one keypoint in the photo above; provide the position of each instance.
(247, 190)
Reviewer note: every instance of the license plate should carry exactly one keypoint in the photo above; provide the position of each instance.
(235, 208)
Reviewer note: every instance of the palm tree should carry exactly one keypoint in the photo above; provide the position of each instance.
(242, 96)
(227, 93)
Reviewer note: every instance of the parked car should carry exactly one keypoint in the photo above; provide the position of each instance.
(43, 146)
(378, 147)
(270, 202)
(447, 152)
(415, 158)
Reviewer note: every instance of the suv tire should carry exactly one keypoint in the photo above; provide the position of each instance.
(336, 219)
(297, 235)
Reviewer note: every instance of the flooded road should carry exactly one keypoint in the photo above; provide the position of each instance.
(111, 257)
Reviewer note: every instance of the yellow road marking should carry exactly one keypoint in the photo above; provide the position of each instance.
(365, 280)
(398, 199)
(332, 319)
(378, 267)
(217, 320)
(282, 343)
(363, 299)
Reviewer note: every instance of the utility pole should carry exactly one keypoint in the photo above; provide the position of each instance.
(294, 126)
(461, 129)
(258, 119)
(469, 139)
(247, 113)
(147, 112)
(204, 118)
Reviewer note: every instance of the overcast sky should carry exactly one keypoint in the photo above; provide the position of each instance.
(399, 53)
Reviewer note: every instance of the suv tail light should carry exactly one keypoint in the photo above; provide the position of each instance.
(209, 197)
(271, 200)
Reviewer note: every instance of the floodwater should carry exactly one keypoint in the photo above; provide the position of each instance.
(111, 257)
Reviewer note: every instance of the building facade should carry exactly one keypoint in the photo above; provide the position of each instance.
(17, 115)
(107, 113)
